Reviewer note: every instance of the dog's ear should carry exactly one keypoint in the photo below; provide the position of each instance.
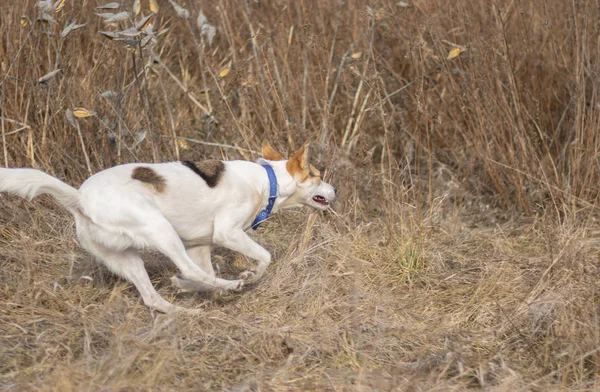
(302, 155)
(269, 153)
(314, 171)
(298, 163)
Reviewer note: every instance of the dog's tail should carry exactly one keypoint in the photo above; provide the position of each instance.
(29, 183)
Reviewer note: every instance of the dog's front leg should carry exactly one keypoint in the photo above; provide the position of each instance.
(237, 240)
(201, 256)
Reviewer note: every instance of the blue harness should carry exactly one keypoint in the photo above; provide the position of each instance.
(264, 214)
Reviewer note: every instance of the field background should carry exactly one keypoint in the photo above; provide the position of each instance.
(463, 252)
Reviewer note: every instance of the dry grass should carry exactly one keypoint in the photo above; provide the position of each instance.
(463, 253)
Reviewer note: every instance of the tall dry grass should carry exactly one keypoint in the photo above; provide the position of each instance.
(463, 253)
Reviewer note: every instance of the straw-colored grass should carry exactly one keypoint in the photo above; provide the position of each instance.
(463, 137)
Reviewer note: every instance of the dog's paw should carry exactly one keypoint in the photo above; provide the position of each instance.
(248, 276)
(195, 285)
(236, 285)
(187, 285)
(177, 282)
(251, 276)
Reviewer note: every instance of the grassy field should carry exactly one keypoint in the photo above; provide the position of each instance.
(462, 254)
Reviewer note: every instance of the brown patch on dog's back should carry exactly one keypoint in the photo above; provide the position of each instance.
(149, 177)
(211, 171)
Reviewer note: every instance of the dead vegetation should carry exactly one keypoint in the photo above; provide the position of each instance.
(463, 253)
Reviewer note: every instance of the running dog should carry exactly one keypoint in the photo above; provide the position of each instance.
(181, 209)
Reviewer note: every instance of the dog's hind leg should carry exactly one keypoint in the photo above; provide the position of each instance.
(164, 238)
(126, 263)
(129, 265)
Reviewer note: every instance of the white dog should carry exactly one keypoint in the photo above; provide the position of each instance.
(181, 209)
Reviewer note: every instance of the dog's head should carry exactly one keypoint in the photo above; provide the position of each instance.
(303, 180)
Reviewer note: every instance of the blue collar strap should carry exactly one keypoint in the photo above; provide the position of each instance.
(264, 214)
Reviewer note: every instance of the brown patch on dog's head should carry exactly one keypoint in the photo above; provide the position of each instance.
(211, 171)
(298, 165)
(269, 152)
(150, 178)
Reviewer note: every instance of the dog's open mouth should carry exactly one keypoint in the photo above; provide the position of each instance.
(321, 200)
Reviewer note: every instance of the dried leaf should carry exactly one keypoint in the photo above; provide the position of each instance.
(109, 34)
(163, 32)
(201, 19)
(106, 15)
(454, 53)
(148, 30)
(72, 26)
(44, 17)
(144, 22)
(109, 6)
(132, 43)
(181, 12)
(24, 21)
(58, 6)
(145, 40)
(118, 17)
(83, 113)
(206, 29)
(70, 118)
(109, 94)
(403, 4)
(225, 70)
(130, 32)
(45, 5)
(153, 5)
(183, 144)
(140, 137)
(209, 32)
(376, 14)
(356, 55)
(48, 76)
(137, 7)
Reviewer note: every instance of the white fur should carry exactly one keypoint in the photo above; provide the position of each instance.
(116, 215)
